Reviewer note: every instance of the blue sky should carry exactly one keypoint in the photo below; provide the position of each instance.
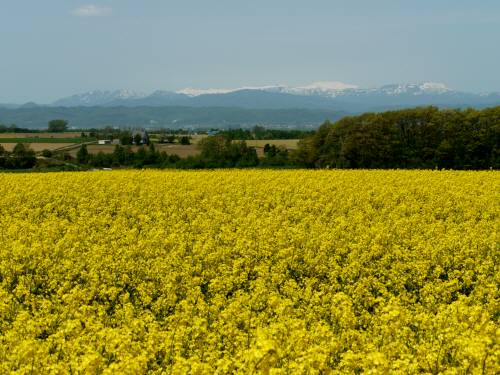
(55, 48)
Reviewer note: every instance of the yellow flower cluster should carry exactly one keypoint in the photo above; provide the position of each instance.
(274, 272)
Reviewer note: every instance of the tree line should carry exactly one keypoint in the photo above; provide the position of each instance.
(260, 132)
(214, 152)
(412, 138)
(21, 157)
(54, 126)
(14, 129)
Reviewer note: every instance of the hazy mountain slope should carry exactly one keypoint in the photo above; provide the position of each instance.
(87, 117)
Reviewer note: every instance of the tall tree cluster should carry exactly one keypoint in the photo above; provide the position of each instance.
(411, 138)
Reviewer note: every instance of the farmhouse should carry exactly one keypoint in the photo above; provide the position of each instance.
(104, 141)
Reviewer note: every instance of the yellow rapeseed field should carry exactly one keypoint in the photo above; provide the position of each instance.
(275, 272)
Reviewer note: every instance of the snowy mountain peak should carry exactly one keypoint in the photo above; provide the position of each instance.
(321, 87)
(162, 94)
(197, 92)
(189, 91)
(127, 94)
(434, 87)
(329, 85)
(424, 88)
(98, 97)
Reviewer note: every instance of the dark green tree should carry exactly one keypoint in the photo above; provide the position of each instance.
(219, 151)
(47, 153)
(140, 157)
(82, 156)
(58, 125)
(137, 139)
(23, 157)
(119, 155)
(19, 149)
(126, 138)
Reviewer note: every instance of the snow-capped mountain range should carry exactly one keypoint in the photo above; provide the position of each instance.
(316, 88)
(94, 97)
(330, 89)
(324, 95)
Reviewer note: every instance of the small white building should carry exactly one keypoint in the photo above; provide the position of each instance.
(104, 142)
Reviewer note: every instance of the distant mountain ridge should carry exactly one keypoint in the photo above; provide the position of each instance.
(319, 95)
(275, 106)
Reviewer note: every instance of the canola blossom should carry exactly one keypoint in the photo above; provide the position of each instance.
(255, 271)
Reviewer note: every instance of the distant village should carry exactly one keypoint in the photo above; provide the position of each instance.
(138, 137)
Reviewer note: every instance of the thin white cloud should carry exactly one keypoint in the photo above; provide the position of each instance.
(92, 10)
